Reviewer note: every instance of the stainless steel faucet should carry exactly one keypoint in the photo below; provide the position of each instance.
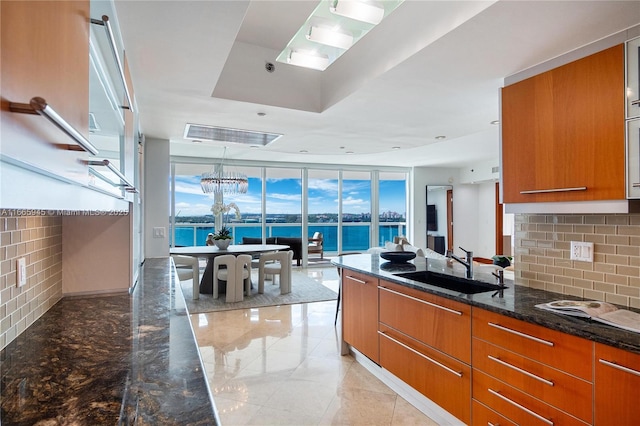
(468, 263)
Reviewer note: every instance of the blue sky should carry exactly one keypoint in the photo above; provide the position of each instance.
(284, 196)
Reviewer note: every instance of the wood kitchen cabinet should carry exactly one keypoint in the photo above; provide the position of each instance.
(425, 340)
(360, 313)
(531, 374)
(617, 381)
(45, 53)
(563, 135)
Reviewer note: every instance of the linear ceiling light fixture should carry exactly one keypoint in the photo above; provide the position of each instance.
(333, 28)
(358, 10)
(308, 59)
(330, 37)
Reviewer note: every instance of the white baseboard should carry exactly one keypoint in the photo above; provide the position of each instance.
(415, 398)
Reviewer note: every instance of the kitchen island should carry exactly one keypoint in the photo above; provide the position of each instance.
(114, 359)
(517, 301)
(487, 357)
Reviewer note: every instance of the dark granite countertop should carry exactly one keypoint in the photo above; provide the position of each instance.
(118, 359)
(517, 301)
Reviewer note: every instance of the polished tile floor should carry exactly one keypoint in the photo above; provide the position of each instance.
(281, 365)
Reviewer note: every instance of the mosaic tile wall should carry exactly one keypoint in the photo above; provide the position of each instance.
(39, 240)
(542, 258)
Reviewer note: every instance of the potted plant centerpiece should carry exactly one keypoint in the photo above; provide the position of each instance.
(222, 238)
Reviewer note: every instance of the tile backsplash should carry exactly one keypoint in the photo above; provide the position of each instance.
(542, 257)
(39, 240)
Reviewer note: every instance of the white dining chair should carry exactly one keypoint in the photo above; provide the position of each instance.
(237, 274)
(276, 263)
(188, 268)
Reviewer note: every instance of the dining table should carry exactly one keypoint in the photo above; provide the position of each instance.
(210, 252)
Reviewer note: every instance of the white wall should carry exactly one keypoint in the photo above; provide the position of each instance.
(486, 219)
(156, 196)
(423, 176)
(473, 211)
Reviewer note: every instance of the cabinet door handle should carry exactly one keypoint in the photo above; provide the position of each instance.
(517, 333)
(444, 308)
(439, 364)
(40, 106)
(522, 407)
(636, 185)
(112, 43)
(618, 366)
(636, 102)
(356, 280)
(542, 191)
(520, 370)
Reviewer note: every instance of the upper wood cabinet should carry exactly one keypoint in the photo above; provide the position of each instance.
(563, 133)
(45, 53)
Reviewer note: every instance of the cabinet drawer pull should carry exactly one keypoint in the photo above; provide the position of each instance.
(542, 191)
(453, 311)
(457, 373)
(508, 330)
(520, 370)
(636, 185)
(38, 105)
(356, 280)
(491, 424)
(522, 407)
(619, 367)
(636, 102)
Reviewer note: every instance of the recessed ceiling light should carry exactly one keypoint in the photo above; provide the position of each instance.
(262, 114)
(303, 151)
(439, 138)
(395, 147)
(349, 152)
(197, 141)
(495, 122)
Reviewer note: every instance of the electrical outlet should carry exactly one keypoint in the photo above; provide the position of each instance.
(582, 251)
(21, 271)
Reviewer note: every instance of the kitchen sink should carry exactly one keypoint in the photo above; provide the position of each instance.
(458, 284)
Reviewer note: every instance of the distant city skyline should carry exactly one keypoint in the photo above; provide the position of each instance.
(284, 197)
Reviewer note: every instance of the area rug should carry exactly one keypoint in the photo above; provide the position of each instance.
(303, 290)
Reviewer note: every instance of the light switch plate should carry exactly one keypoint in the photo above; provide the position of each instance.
(21, 271)
(158, 232)
(582, 251)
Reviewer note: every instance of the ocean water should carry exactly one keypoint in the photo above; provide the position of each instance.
(354, 238)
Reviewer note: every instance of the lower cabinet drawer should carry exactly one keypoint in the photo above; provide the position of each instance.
(563, 351)
(441, 378)
(484, 416)
(516, 405)
(568, 393)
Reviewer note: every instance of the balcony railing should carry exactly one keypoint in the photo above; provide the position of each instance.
(355, 236)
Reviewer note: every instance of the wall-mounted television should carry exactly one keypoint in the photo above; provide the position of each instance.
(432, 217)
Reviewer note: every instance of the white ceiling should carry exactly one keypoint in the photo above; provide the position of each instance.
(431, 68)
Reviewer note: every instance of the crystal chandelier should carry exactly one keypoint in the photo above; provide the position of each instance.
(220, 182)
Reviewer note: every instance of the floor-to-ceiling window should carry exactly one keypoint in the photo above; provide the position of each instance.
(250, 206)
(392, 206)
(284, 202)
(356, 210)
(323, 202)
